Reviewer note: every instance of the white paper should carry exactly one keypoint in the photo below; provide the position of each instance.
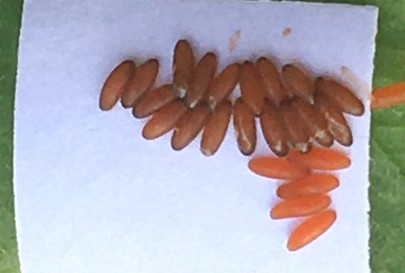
(93, 196)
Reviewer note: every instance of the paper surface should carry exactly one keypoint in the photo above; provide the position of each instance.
(93, 196)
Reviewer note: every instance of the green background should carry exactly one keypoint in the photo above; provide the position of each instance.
(387, 192)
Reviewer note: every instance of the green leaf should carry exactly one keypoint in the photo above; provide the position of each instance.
(10, 14)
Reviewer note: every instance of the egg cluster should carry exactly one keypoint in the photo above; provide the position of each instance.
(306, 181)
(294, 110)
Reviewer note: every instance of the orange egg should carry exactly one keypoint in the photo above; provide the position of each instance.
(314, 183)
(388, 96)
(277, 168)
(300, 206)
(321, 159)
(311, 229)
